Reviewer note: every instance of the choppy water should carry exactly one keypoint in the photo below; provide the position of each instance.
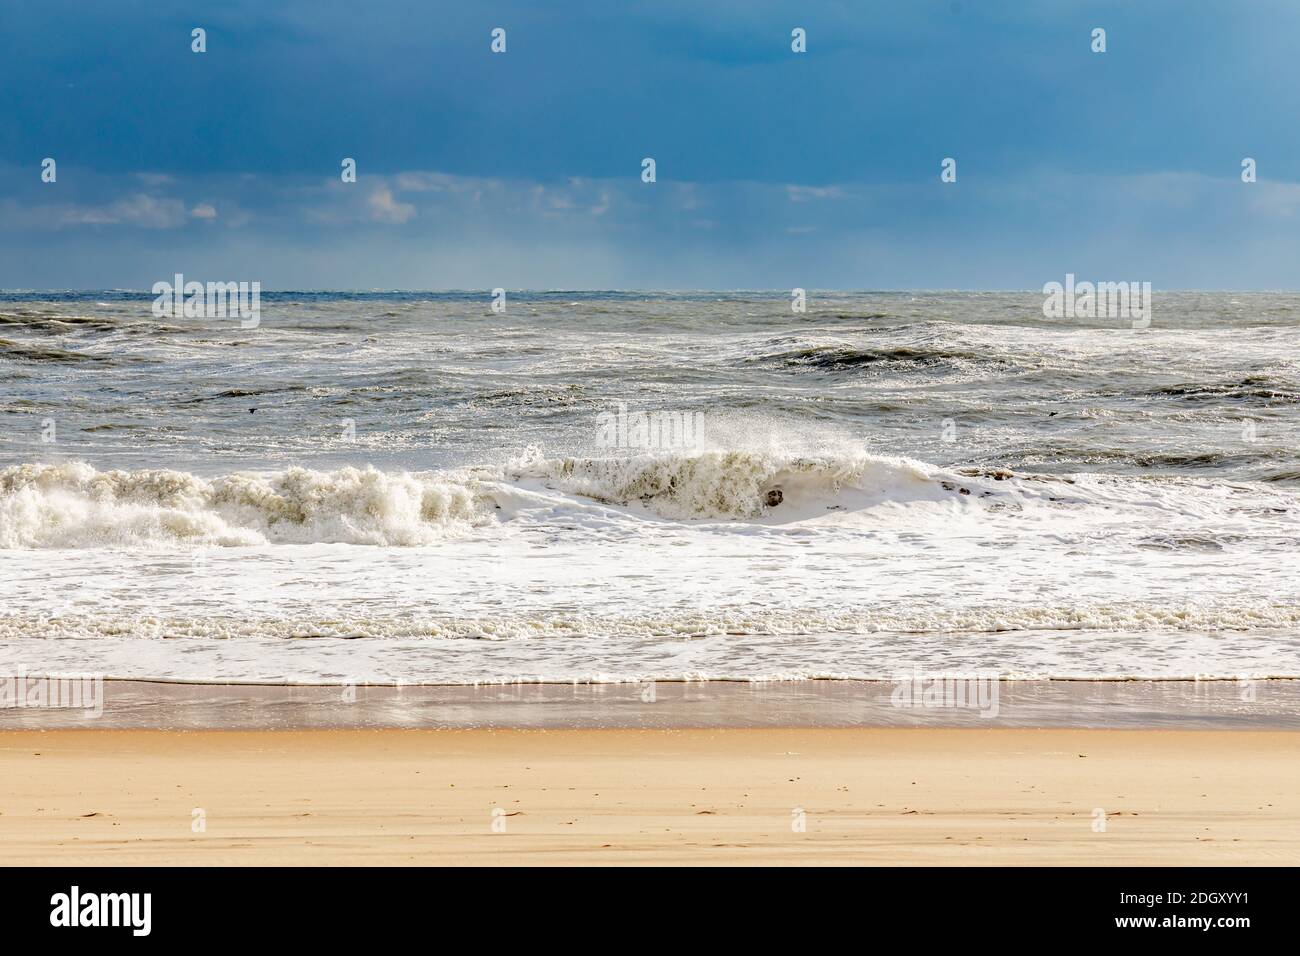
(409, 487)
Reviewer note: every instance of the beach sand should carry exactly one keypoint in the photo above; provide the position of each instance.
(650, 796)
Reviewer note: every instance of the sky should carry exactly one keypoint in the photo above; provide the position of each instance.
(774, 169)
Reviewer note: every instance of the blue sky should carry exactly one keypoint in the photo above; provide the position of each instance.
(775, 169)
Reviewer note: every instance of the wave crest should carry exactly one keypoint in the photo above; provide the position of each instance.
(731, 484)
(73, 505)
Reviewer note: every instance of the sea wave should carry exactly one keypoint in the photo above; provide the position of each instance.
(38, 353)
(722, 484)
(837, 358)
(72, 505)
(1081, 617)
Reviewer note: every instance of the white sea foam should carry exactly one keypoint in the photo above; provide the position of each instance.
(74, 506)
(682, 624)
(736, 484)
(414, 655)
(1084, 578)
(886, 480)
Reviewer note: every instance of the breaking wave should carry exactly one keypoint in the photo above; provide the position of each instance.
(74, 506)
(733, 484)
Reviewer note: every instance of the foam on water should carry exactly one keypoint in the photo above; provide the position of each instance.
(72, 505)
(889, 480)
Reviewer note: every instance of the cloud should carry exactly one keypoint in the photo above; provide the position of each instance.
(384, 208)
(1277, 199)
(429, 181)
(1173, 228)
(807, 193)
(139, 210)
(150, 212)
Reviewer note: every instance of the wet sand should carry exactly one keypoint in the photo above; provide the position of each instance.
(651, 796)
(1181, 705)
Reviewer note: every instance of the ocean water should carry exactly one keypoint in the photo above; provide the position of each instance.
(408, 487)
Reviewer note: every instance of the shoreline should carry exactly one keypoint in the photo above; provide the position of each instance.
(1131, 704)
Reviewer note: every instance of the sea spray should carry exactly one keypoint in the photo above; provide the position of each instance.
(73, 505)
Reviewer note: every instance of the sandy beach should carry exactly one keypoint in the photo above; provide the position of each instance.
(628, 438)
(636, 796)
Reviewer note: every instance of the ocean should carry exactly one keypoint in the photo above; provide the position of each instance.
(397, 487)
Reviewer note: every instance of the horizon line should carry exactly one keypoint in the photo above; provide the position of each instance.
(632, 289)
